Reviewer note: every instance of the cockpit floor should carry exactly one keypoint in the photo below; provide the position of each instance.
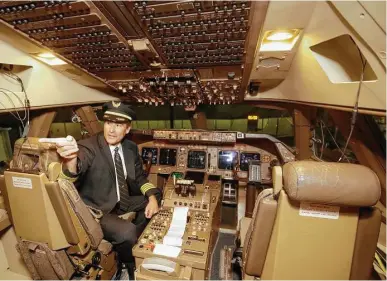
(224, 239)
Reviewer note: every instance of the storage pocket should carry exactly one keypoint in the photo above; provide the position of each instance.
(44, 263)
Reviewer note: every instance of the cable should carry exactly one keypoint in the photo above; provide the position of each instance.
(26, 103)
(337, 145)
(314, 148)
(17, 116)
(355, 108)
(323, 141)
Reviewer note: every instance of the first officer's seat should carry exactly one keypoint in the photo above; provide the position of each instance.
(316, 223)
(58, 236)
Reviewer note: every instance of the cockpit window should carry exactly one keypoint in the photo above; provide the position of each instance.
(242, 118)
(328, 143)
(380, 121)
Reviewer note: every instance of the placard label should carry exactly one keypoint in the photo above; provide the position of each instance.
(319, 211)
(22, 182)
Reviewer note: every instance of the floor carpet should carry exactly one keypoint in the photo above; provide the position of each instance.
(224, 239)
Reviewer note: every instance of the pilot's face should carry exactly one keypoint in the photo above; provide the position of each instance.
(115, 132)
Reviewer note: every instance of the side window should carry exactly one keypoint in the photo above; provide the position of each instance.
(328, 142)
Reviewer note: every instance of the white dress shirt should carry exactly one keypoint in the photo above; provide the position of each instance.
(112, 147)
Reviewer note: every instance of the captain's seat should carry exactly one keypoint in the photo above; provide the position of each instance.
(58, 236)
(316, 223)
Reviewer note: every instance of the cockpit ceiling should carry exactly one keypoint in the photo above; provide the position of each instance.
(176, 52)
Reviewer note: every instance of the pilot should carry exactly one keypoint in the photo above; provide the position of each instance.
(107, 170)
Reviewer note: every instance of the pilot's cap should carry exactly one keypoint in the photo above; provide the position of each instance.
(118, 112)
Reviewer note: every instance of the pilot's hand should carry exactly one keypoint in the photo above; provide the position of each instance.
(67, 149)
(152, 207)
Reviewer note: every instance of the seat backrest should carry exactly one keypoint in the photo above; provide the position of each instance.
(33, 156)
(56, 214)
(33, 214)
(259, 233)
(316, 223)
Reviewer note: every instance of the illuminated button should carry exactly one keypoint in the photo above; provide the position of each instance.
(193, 232)
(143, 241)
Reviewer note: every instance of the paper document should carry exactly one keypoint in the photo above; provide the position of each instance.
(165, 250)
(180, 215)
(176, 231)
(172, 241)
(177, 228)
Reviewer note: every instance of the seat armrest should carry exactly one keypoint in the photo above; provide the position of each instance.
(244, 225)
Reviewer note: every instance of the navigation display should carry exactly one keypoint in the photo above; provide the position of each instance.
(167, 156)
(245, 158)
(227, 159)
(196, 159)
(145, 154)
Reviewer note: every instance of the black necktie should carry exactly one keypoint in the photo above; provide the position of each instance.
(123, 187)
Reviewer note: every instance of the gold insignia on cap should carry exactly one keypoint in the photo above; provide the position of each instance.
(116, 104)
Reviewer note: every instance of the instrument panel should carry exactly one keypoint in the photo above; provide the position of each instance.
(196, 159)
(168, 156)
(245, 158)
(220, 153)
(216, 160)
(147, 152)
(227, 159)
(206, 136)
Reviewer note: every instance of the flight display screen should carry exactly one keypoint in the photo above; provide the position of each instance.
(167, 156)
(149, 150)
(227, 159)
(196, 159)
(245, 158)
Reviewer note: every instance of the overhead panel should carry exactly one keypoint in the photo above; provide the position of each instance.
(155, 52)
(74, 30)
(197, 33)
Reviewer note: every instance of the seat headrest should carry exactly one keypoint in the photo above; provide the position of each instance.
(32, 155)
(331, 183)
